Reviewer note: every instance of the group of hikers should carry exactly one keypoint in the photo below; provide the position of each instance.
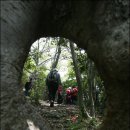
(71, 95)
(54, 85)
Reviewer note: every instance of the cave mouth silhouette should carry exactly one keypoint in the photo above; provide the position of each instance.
(100, 27)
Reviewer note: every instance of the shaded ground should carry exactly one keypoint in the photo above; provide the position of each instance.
(59, 116)
(62, 117)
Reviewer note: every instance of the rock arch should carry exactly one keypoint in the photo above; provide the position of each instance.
(100, 27)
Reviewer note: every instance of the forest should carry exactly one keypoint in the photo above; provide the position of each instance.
(75, 69)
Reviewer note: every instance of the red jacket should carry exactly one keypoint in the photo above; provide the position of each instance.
(74, 91)
(68, 91)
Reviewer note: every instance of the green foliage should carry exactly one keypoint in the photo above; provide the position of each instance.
(71, 78)
(93, 122)
(83, 124)
(82, 58)
(39, 85)
(71, 74)
(77, 126)
(69, 83)
(29, 64)
(37, 72)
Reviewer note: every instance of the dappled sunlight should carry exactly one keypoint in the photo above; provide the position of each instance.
(31, 125)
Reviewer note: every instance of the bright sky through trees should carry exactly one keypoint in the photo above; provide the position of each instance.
(48, 54)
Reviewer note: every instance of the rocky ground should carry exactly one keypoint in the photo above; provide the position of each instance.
(62, 117)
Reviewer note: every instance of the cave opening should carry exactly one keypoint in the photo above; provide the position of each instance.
(55, 52)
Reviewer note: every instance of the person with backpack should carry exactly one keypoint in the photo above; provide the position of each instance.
(28, 87)
(52, 82)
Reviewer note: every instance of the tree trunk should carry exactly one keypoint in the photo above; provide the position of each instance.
(57, 55)
(91, 86)
(78, 78)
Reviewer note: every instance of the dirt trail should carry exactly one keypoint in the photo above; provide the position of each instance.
(63, 117)
(60, 116)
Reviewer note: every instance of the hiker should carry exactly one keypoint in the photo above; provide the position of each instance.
(59, 93)
(53, 81)
(28, 87)
(74, 94)
(68, 95)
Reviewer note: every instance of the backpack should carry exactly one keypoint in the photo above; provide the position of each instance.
(53, 76)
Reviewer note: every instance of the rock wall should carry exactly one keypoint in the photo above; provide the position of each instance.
(100, 27)
(19, 23)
